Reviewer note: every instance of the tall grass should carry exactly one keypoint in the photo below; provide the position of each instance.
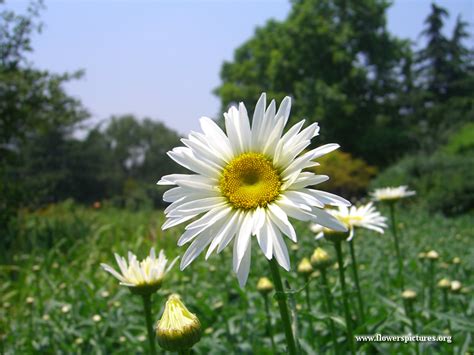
(55, 254)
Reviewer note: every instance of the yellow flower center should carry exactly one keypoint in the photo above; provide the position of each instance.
(250, 180)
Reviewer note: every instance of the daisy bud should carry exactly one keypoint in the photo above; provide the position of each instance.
(409, 295)
(456, 260)
(304, 267)
(444, 283)
(178, 329)
(264, 286)
(320, 258)
(456, 286)
(30, 300)
(432, 255)
(421, 256)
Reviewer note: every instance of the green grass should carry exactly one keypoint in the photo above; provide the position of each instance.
(55, 254)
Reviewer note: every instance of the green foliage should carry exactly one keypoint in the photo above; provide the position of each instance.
(461, 142)
(349, 176)
(59, 249)
(443, 183)
(341, 73)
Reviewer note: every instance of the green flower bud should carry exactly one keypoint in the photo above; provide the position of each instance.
(320, 258)
(409, 295)
(304, 267)
(264, 286)
(178, 329)
(456, 286)
(432, 255)
(444, 283)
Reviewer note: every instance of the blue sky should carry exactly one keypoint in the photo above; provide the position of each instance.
(161, 59)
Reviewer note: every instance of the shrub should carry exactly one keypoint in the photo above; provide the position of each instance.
(461, 142)
(349, 176)
(443, 183)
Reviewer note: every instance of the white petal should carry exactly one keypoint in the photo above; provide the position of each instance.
(280, 251)
(281, 221)
(328, 198)
(244, 267)
(329, 221)
(195, 249)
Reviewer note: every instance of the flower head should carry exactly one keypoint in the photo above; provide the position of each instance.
(247, 182)
(304, 267)
(456, 286)
(264, 286)
(432, 255)
(390, 194)
(178, 329)
(145, 276)
(409, 295)
(444, 283)
(365, 216)
(320, 258)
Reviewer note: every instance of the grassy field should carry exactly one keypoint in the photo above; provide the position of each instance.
(52, 286)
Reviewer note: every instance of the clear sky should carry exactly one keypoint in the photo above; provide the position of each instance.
(161, 59)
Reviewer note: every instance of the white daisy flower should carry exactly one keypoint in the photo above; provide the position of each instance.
(390, 194)
(247, 182)
(365, 216)
(144, 276)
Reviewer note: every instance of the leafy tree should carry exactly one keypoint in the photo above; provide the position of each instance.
(337, 59)
(32, 102)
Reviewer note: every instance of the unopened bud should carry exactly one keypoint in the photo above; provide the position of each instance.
(456, 260)
(264, 286)
(456, 286)
(432, 255)
(304, 267)
(444, 283)
(320, 258)
(178, 329)
(409, 295)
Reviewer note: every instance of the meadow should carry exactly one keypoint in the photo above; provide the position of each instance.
(55, 298)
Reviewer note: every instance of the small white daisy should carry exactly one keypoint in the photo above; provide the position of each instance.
(147, 274)
(389, 194)
(365, 216)
(247, 182)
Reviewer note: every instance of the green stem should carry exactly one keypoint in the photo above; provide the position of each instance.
(446, 307)
(356, 279)
(184, 352)
(337, 245)
(431, 287)
(284, 313)
(397, 247)
(409, 312)
(308, 305)
(269, 324)
(149, 323)
(329, 308)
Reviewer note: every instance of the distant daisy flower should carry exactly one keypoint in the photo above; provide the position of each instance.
(247, 182)
(365, 216)
(389, 194)
(146, 275)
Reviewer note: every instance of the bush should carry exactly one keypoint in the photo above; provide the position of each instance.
(443, 183)
(349, 176)
(461, 142)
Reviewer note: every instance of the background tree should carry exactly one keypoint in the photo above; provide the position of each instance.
(337, 59)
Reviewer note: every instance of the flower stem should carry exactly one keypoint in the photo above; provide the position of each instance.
(149, 322)
(284, 313)
(397, 247)
(431, 287)
(410, 314)
(340, 261)
(329, 308)
(446, 307)
(308, 306)
(269, 323)
(356, 280)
